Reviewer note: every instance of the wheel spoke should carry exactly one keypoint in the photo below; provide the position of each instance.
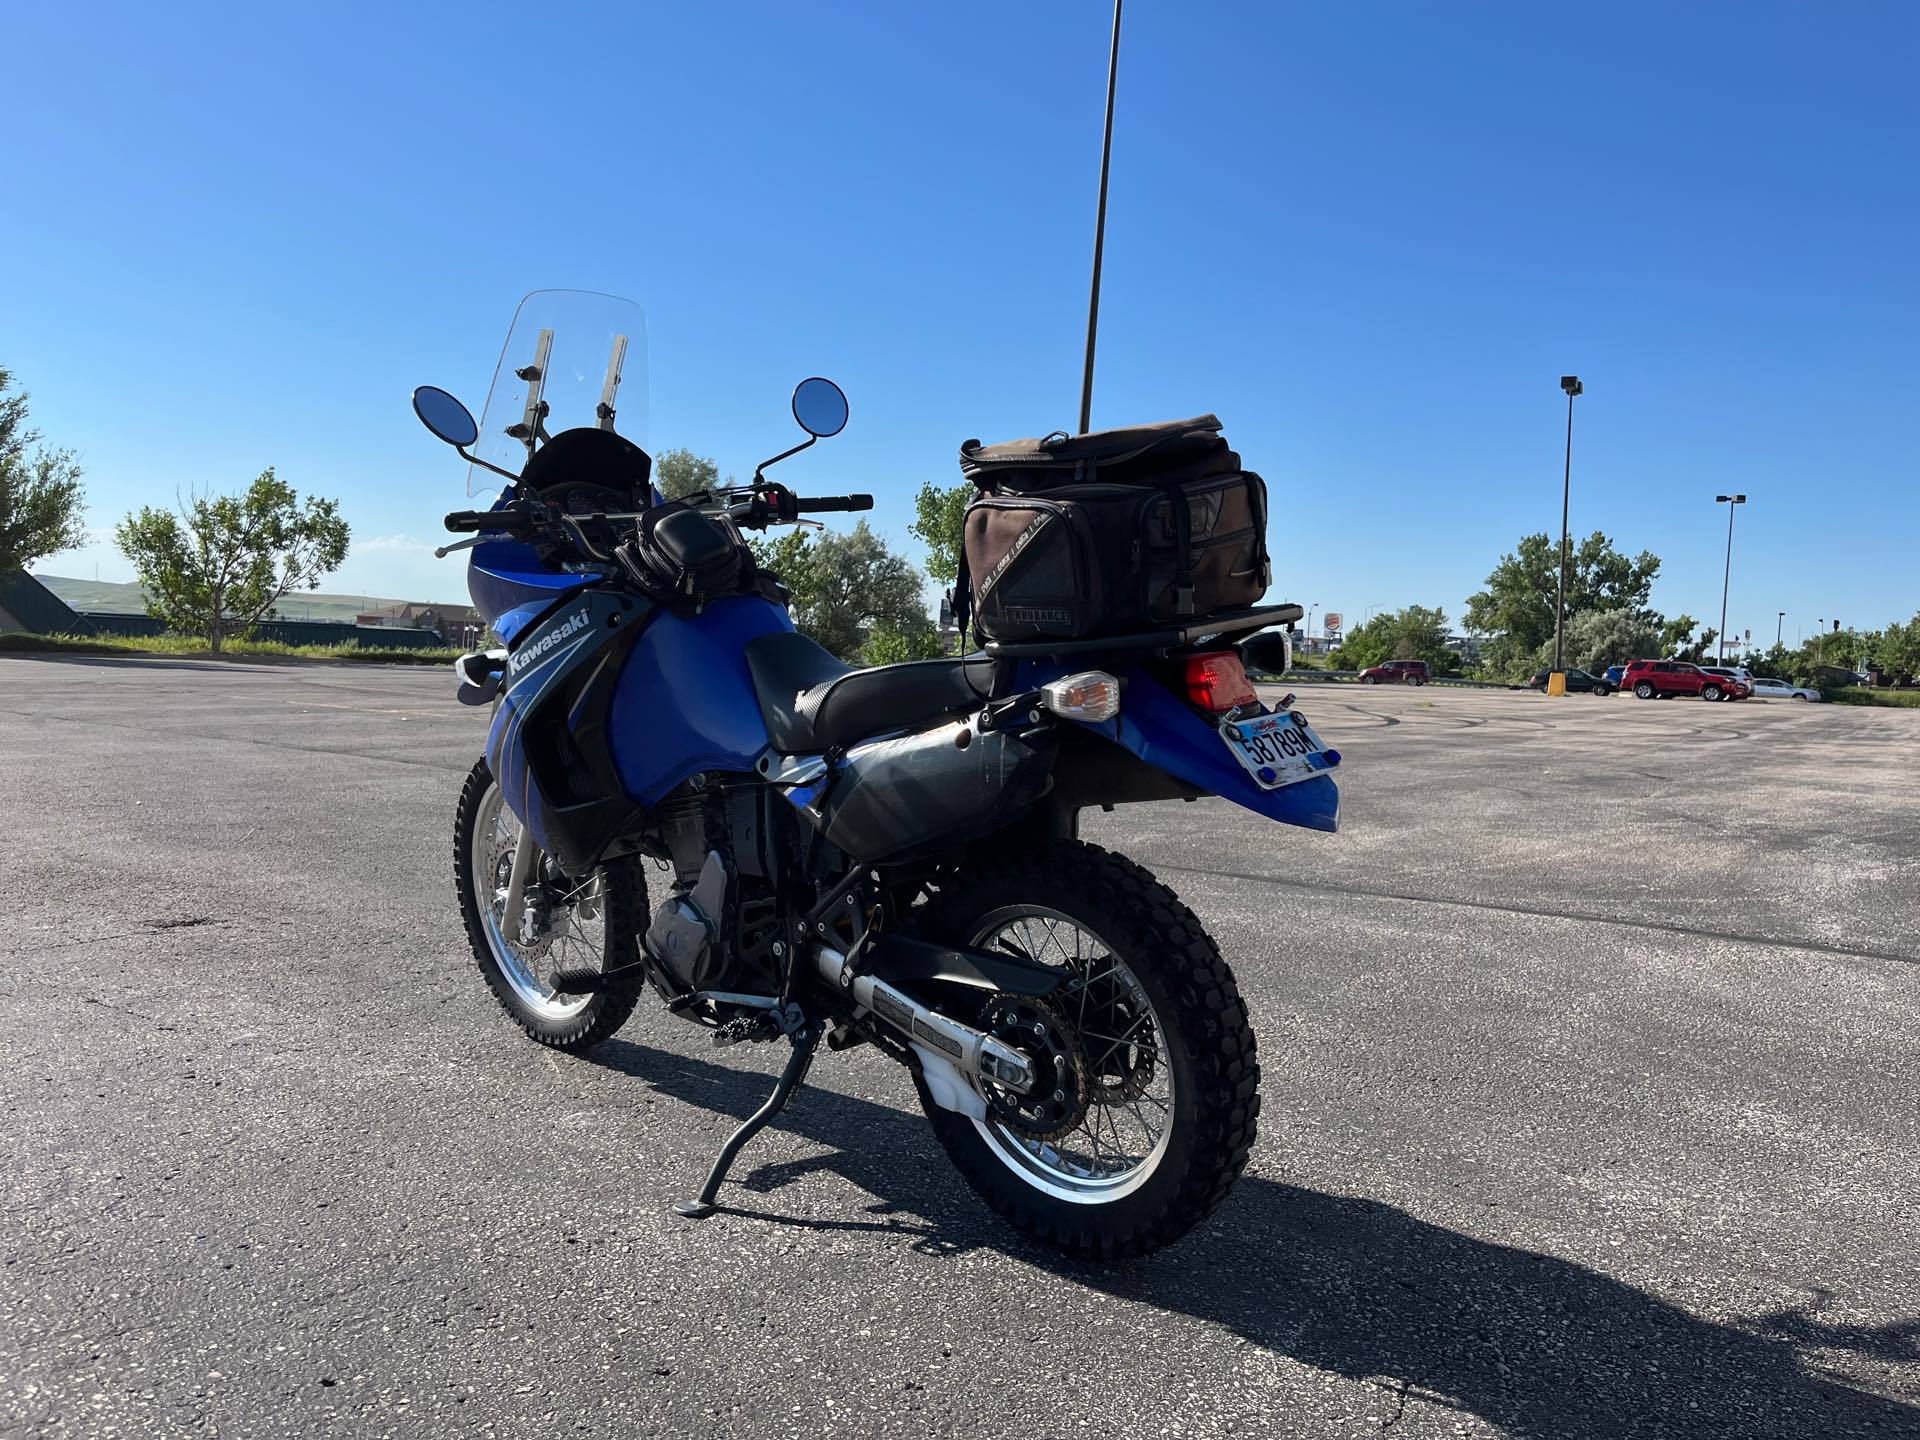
(1123, 1128)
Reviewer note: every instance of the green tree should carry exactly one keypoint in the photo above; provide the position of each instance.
(218, 567)
(939, 517)
(1523, 589)
(1677, 641)
(852, 594)
(789, 555)
(1898, 654)
(1599, 638)
(40, 494)
(680, 473)
(887, 646)
(1415, 633)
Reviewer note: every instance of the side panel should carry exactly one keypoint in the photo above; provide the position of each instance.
(547, 744)
(685, 701)
(1157, 727)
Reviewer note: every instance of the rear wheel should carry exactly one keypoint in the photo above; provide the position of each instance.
(1157, 1085)
(1643, 691)
(591, 921)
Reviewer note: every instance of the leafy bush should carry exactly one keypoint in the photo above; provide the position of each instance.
(886, 646)
(1861, 695)
(199, 645)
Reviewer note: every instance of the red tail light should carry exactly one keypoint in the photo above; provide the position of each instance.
(1217, 681)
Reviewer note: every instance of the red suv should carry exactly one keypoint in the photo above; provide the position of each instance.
(1658, 679)
(1398, 672)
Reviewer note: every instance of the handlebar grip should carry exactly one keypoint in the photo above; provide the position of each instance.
(837, 502)
(466, 520)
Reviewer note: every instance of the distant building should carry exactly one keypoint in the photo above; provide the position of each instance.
(26, 604)
(454, 624)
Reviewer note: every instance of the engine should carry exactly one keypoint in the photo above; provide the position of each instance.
(716, 928)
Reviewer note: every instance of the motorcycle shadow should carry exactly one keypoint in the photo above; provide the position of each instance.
(1536, 1344)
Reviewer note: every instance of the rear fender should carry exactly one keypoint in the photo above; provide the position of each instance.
(1163, 732)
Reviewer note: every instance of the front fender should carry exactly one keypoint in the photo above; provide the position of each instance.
(1163, 732)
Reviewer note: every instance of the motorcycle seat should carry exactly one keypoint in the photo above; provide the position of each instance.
(812, 702)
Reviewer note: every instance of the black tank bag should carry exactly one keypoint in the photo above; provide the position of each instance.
(687, 560)
(1077, 536)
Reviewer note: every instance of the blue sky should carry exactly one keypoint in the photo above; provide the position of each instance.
(1371, 237)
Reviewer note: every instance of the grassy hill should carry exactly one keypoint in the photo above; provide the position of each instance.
(129, 599)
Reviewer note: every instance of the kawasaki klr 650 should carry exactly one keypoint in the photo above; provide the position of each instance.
(886, 856)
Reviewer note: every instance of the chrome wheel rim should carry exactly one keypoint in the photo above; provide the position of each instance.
(575, 930)
(1123, 1136)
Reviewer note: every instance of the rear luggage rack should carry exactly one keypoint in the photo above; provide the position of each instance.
(1227, 622)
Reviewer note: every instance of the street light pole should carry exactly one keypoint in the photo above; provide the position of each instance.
(1778, 626)
(1100, 228)
(1557, 681)
(1726, 580)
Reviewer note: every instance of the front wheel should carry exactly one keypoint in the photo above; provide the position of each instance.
(1712, 692)
(592, 921)
(1156, 1091)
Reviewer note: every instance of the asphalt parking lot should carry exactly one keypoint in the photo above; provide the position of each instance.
(1590, 1050)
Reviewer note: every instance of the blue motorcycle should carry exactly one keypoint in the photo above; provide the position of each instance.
(886, 856)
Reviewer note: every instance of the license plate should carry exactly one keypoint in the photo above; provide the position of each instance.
(1278, 749)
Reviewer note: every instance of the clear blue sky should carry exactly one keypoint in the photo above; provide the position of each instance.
(1371, 237)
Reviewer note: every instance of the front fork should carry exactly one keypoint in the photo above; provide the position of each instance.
(525, 853)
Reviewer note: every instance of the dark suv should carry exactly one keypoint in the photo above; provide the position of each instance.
(1398, 672)
(1578, 682)
(1659, 679)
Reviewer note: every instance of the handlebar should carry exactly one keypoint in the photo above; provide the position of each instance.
(772, 505)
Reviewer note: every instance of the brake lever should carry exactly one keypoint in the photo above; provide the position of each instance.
(468, 543)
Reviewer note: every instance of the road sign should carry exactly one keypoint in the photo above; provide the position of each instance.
(1331, 623)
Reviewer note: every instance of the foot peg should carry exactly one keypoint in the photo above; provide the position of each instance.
(805, 1037)
(580, 980)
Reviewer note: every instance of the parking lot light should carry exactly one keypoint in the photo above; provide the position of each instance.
(1729, 501)
(1557, 680)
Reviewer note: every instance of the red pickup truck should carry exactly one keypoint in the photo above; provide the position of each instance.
(1659, 679)
(1398, 672)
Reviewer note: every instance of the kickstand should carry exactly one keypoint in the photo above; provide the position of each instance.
(805, 1037)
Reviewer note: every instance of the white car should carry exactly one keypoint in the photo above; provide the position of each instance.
(1765, 689)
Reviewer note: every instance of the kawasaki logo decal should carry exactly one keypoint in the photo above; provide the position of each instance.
(532, 653)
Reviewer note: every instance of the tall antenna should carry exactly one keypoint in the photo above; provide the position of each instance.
(1100, 228)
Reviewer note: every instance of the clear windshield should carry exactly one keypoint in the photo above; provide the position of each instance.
(573, 358)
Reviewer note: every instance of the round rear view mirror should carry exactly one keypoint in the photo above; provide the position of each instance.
(445, 416)
(820, 407)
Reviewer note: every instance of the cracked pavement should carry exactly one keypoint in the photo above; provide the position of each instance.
(1589, 1051)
